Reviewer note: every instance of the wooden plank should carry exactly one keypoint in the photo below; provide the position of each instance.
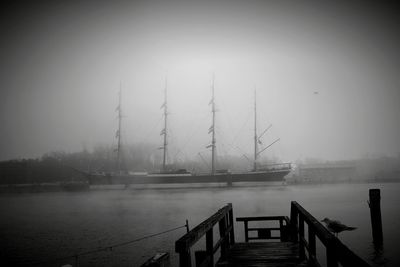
(282, 254)
(260, 218)
(264, 228)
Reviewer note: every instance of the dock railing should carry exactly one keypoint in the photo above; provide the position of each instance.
(266, 232)
(301, 228)
(336, 251)
(203, 258)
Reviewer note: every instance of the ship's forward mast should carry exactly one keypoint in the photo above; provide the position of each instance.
(212, 129)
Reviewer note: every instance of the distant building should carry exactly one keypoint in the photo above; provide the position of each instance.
(327, 172)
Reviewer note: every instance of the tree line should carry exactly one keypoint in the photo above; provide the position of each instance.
(62, 166)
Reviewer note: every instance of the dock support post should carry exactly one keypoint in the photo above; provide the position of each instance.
(376, 219)
(210, 247)
(331, 260)
(184, 259)
(294, 222)
(187, 226)
(222, 234)
(301, 238)
(312, 247)
(232, 232)
(200, 256)
(246, 231)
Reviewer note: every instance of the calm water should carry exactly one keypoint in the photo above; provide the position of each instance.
(39, 227)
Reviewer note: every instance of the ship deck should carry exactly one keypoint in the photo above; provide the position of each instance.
(228, 178)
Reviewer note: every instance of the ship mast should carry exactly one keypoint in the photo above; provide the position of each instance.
(164, 131)
(255, 132)
(212, 130)
(118, 134)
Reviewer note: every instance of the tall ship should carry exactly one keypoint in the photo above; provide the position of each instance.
(167, 175)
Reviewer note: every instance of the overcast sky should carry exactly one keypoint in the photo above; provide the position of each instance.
(327, 76)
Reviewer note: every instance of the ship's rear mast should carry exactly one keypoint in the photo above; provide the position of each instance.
(118, 133)
(257, 138)
(255, 132)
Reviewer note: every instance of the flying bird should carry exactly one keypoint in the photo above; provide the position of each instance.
(336, 227)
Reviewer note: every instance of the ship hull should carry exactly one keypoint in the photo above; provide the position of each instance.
(261, 176)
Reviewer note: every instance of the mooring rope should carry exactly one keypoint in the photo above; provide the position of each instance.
(106, 248)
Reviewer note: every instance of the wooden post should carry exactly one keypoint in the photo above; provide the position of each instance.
(210, 246)
(312, 248)
(232, 233)
(331, 260)
(285, 231)
(301, 238)
(222, 232)
(200, 256)
(293, 222)
(187, 226)
(376, 219)
(246, 231)
(184, 259)
(281, 232)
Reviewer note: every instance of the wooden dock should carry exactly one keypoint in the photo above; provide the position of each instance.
(290, 242)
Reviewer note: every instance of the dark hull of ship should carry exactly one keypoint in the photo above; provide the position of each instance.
(260, 176)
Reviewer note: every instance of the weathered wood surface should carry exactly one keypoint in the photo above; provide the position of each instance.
(279, 254)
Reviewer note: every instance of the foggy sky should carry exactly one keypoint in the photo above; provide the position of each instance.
(62, 64)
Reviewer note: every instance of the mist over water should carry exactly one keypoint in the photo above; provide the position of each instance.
(39, 227)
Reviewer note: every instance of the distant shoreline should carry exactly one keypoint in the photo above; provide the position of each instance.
(84, 186)
(45, 187)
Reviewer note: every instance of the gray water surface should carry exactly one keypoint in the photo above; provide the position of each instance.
(36, 228)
